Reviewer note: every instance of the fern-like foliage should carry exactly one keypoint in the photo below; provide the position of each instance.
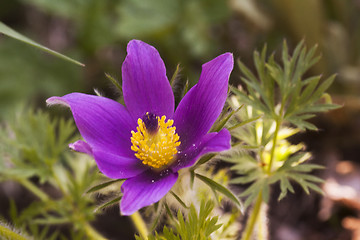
(34, 151)
(197, 225)
(282, 90)
(285, 100)
(31, 144)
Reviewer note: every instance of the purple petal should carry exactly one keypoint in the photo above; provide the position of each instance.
(145, 85)
(116, 166)
(201, 106)
(145, 189)
(106, 127)
(81, 146)
(211, 142)
(112, 166)
(103, 123)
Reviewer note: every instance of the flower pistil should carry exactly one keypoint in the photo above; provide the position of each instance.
(155, 142)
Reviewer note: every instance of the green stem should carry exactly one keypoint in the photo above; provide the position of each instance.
(262, 233)
(278, 122)
(257, 207)
(253, 218)
(92, 233)
(58, 182)
(140, 225)
(34, 189)
(272, 153)
(6, 233)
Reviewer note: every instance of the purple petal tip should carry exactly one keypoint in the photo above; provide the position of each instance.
(81, 146)
(56, 100)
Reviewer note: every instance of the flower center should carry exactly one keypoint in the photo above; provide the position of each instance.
(155, 141)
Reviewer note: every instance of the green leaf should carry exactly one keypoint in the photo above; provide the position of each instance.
(315, 188)
(223, 121)
(249, 177)
(156, 221)
(290, 161)
(13, 34)
(175, 75)
(244, 163)
(114, 81)
(244, 122)
(316, 108)
(218, 187)
(266, 80)
(179, 199)
(302, 184)
(103, 185)
(307, 167)
(248, 74)
(168, 210)
(109, 203)
(203, 160)
(195, 225)
(322, 88)
(192, 177)
(285, 185)
(306, 177)
(309, 89)
(13, 212)
(251, 101)
(51, 220)
(302, 124)
(253, 191)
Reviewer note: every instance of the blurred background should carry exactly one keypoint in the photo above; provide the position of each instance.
(191, 32)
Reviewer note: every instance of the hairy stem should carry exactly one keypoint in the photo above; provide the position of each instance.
(262, 233)
(253, 218)
(140, 225)
(6, 233)
(257, 207)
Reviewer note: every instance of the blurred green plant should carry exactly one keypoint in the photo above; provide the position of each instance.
(183, 30)
(9, 233)
(26, 75)
(286, 100)
(33, 153)
(12, 88)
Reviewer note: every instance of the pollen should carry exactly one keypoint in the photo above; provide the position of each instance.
(155, 148)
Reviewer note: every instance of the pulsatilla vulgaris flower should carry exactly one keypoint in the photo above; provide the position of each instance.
(146, 142)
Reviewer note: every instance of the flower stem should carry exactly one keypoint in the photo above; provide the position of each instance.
(140, 225)
(92, 233)
(6, 233)
(272, 153)
(262, 233)
(253, 218)
(278, 122)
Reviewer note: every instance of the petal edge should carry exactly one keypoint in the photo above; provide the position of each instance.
(146, 87)
(202, 105)
(145, 189)
(210, 143)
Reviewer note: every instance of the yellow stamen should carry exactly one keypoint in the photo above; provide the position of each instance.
(155, 149)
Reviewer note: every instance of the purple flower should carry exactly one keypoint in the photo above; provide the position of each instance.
(146, 142)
